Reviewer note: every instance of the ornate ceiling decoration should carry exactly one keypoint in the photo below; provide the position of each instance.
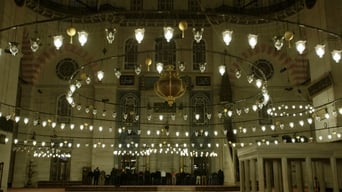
(239, 12)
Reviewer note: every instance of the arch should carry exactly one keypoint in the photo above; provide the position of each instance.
(31, 66)
(63, 110)
(297, 67)
(131, 54)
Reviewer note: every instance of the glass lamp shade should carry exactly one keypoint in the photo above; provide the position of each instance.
(160, 67)
(336, 55)
(258, 83)
(278, 42)
(13, 48)
(227, 36)
(168, 33)
(198, 34)
(139, 34)
(137, 69)
(237, 73)
(110, 34)
(100, 75)
(34, 44)
(300, 46)
(58, 41)
(320, 50)
(202, 67)
(222, 69)
(252, 40)
(117, 73)
(82, 37)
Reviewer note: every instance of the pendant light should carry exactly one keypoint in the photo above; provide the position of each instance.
(168, 33)
(227, 36)
(300, 46)
(336, 55)
(252, 40)
(320, 50)
(110, 34)
(58, 41)
(139, 34)
(82, 37)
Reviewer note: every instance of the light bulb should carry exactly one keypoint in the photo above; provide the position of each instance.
(100, 75)
(278, 42)
(252, 40)
(336, 55)
(82, 37)
(197, 34)
(34, 44)
(227, 36)
(137, 69)
(117, 73)
(250, 78)
(58, 41)
(13, 47)
(168, 33)
(258, 83)
(237, 73)
(222, 69)
(139, 34)
(202, 67)
(181, 66)
(160, 67)
(110, 34)
(300, 46)
(320, 50)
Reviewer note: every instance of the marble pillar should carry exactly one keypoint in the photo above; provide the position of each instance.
(309, 174)
(242, 176)
(268, 171)
(285, 174)
(334, 174)
(276, 176)
(247, 176)
(299, 175)
(261, 175)
(253, 175)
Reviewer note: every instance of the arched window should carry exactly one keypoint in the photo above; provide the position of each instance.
(198, 54)
(131, 54)
(63, 110)
(165, 52)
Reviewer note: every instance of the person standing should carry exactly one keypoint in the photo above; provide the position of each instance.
(96, 175)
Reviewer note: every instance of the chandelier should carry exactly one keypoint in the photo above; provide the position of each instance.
(169, 86)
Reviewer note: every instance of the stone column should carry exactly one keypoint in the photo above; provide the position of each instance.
(268, 175)
(261, 175)
(242, 176)
(320, 175)
(247, 176)
(299, 175)
(285, 174)
(334, 174)
(308, 167)
(253, 175)
(276, 176)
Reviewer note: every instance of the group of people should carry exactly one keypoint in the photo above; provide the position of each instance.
(123, 177)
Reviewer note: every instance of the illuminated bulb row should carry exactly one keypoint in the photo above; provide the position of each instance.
(184, 153)
(82, 38)
(263, 128)
(227, 36)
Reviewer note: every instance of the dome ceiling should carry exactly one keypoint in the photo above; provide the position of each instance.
(233, 11)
